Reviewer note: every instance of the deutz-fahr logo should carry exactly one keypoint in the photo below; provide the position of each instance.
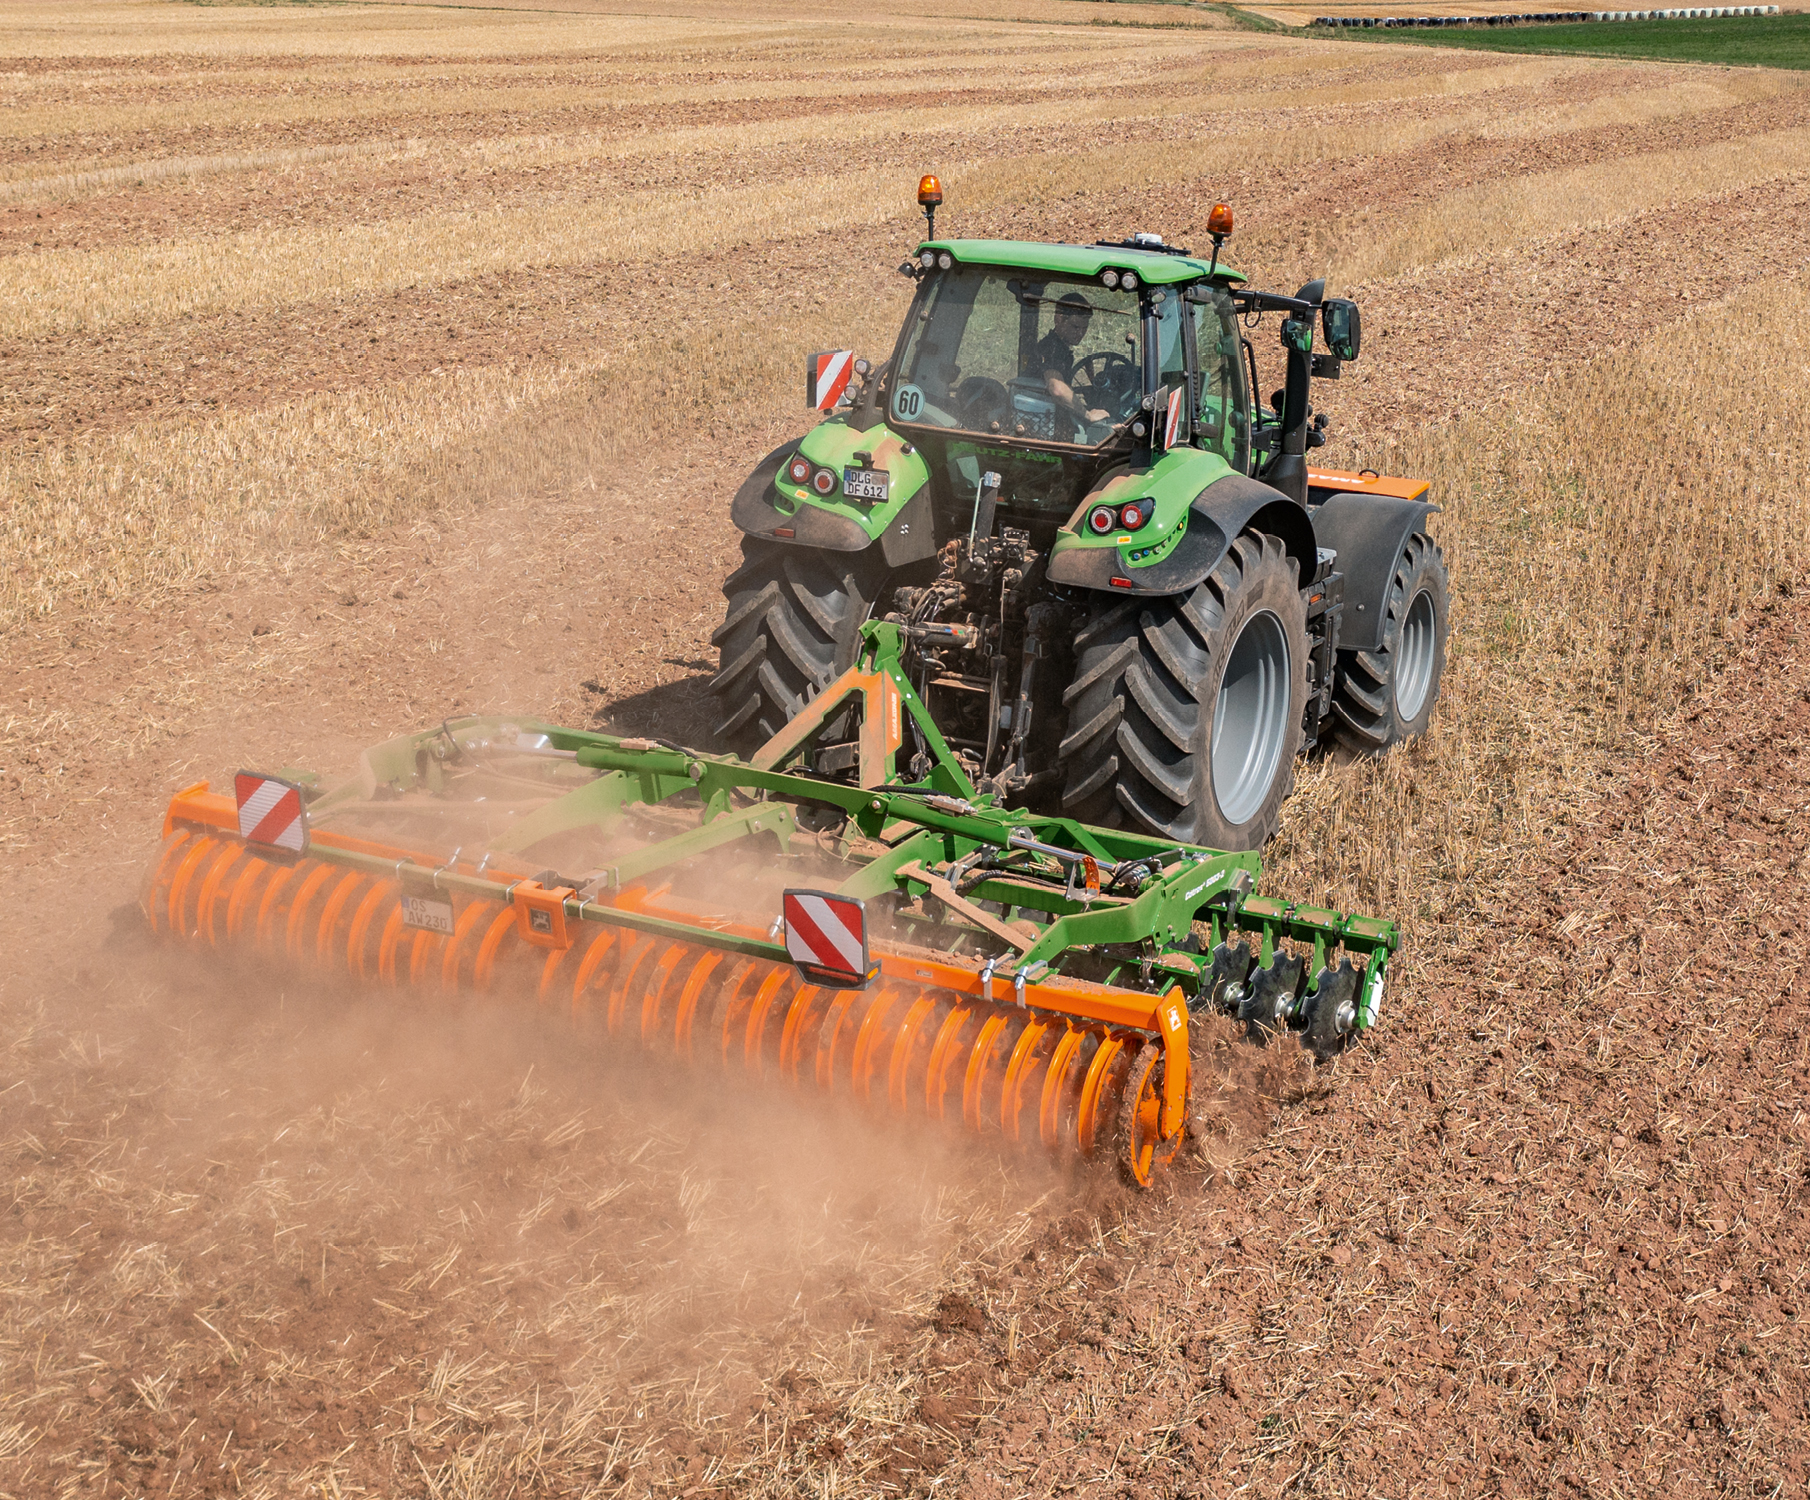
(1019, 455)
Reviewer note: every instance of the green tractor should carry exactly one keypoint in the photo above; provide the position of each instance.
(1126, 596)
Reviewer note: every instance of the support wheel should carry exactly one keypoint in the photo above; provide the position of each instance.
(1185, 713)
(1382, 697)
(1142, 1150)
(792, 625)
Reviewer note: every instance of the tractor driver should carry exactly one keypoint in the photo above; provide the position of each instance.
(1056, 355)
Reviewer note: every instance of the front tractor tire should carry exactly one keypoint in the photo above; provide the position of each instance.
(1185, 716)
(1382, 697)
(792, 624)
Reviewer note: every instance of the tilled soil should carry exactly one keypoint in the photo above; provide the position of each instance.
(440, 169)
(1547, 1236)
(1543, 1232)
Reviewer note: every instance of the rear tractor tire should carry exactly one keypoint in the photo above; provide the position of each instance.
(792, 625)
(1383, 697)
(1185, 715)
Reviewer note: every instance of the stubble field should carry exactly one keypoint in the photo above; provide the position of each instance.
(360, 365)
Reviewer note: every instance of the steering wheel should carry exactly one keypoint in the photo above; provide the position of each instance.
(979, 401)
(1110, 378)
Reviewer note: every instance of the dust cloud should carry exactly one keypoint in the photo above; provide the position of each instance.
(274, 1226)
(477, 1239)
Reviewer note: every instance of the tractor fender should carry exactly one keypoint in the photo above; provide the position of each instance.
(1229, 505)
(1236, 503)
(1369, 533)
(754, 512)
(910, 536)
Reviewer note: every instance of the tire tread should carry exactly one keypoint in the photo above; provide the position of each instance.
(791, 623)
(1140, 756)
(1363, 719)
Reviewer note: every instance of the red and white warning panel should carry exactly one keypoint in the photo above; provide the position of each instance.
(270, 811)
(826, 936)
(826, 377)
(1172, 427)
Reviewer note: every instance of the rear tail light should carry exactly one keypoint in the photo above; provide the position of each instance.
(824, 482)
(1102, 519)
(799, 470)
(1134, 515)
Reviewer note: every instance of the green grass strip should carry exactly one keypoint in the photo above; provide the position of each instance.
(1734, 41)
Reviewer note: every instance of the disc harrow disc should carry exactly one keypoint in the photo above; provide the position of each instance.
(1228, 971)
(1269, 999)
(1332, 1010)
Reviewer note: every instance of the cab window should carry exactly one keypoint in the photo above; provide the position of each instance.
(1222, 421)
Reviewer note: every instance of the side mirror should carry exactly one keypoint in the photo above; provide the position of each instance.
(1343, 327)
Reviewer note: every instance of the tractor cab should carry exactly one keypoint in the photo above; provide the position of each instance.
(1052, 364)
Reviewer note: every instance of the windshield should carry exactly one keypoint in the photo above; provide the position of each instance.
(1022, 355)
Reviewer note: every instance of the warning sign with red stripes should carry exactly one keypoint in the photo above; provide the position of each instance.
(1172, 427)
(826, 936)
(828, 377)
(270, 811)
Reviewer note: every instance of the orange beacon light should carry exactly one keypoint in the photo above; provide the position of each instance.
(930, 194)
(1219, 225)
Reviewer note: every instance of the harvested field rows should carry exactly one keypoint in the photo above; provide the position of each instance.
(367, 364)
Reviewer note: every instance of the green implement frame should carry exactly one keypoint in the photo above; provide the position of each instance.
(1029, 895)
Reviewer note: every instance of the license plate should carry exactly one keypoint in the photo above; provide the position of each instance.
(427, 914)
(866, 484)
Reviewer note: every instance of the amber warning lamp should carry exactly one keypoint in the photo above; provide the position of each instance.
(1219, 226)
(930, 194)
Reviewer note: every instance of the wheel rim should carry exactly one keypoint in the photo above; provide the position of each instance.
(1414, 666)
(1250, 720)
